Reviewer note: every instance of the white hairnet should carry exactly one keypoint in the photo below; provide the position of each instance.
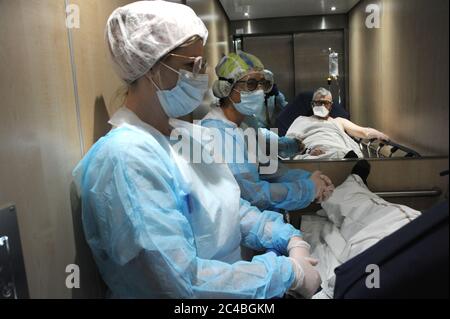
(141, 33)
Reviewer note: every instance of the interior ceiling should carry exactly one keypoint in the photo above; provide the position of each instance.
(258, 9)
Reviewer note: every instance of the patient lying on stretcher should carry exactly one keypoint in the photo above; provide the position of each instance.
(350, 221)
(327, 137)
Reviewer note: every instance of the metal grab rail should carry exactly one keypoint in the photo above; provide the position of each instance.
(435, 192)
(409, 152)
(369, 147)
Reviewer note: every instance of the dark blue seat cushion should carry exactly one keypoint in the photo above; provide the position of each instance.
(413, 262)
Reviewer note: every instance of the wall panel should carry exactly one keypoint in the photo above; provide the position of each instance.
(399, 72)
(218, 44)
(282, 68)
(39, 139)
(98, 85)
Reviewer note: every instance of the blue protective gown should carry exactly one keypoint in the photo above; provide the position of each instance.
(160, 227)
(289, 190)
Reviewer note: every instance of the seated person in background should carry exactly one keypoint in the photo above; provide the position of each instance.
(327, 137)
(240, 88)
(274, 102)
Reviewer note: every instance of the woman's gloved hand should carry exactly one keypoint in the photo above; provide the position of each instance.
(326, 194)
(298, 248)
(307, 279)
(289, 146)
(319, 183)
(324, 186)
(329, 189)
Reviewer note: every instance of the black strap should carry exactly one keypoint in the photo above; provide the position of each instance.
(231, 81)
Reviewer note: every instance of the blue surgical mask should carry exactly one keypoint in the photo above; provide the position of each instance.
(251, 102)
(186, 96)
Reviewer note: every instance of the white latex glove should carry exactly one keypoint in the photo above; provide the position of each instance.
(326, 187)
(326, 194)
(327, 180)
(328, 191)
(298, 248)
(307, 279)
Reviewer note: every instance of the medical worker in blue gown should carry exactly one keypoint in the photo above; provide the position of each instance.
(158, 225)
(240, 88)
(274, 102)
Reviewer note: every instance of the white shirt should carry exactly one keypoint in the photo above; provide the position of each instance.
(328, 135)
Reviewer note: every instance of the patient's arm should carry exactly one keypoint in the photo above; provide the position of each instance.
(361, 132)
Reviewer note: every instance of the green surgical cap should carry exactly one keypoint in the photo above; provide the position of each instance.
(236, 65)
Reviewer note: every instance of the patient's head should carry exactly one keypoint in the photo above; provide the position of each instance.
(322, 103)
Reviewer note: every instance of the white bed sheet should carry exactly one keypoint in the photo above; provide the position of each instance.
(350, 222)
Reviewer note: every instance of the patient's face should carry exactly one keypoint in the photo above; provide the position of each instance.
(326, 101)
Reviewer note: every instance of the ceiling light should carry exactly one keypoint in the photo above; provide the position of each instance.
(333, 8)
(246, 14)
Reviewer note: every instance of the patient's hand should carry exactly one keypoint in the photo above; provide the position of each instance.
(316, 151)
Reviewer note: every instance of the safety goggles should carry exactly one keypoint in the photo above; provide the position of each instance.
(251, 85)
(321, 102)
(199, 64)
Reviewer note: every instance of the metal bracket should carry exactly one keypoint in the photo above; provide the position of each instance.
(13, 281)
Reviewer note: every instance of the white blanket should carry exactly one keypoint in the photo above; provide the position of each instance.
(351, 221)
(324, 134)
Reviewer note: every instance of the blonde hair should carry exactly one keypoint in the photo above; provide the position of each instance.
(119, 96)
